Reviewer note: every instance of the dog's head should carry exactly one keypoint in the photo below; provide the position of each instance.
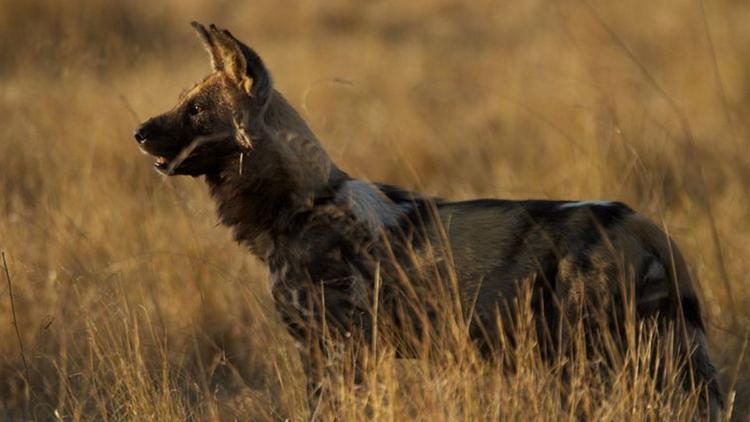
(200, 134)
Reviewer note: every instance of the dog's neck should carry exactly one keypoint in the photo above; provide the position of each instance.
(287, 174)
(260, 203)
(279, 176)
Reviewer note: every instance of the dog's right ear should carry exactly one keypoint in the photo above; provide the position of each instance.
(217, 63)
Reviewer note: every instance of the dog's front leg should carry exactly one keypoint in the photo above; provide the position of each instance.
(313, 366)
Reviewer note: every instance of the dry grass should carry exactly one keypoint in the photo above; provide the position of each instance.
(133, 304)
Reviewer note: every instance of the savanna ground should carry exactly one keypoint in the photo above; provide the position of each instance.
(133, 304)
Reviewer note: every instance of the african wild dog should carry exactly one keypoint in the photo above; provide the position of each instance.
(324, 234)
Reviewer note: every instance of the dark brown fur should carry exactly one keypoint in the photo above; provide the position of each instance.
(324, 235)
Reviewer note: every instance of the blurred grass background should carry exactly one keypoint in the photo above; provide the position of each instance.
(132, 303)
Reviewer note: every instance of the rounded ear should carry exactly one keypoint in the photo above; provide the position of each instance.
(210, 46)
(231, 56)
(261, 84)
(238, 61)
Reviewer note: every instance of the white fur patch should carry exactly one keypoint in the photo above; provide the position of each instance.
(369, 204)
(586, 204)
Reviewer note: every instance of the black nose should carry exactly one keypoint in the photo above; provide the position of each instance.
(140, 134)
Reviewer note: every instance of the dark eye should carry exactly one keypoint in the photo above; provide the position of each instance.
(194, 109)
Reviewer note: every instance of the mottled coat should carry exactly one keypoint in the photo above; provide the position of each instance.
(327, 237)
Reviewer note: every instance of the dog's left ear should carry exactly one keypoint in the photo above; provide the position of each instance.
(238, 61)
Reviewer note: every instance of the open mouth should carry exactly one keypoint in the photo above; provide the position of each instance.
(178, 159)
(162, 163)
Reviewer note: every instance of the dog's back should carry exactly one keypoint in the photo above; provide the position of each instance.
(578, 258)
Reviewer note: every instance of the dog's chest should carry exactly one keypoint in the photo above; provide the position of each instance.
(302, 299)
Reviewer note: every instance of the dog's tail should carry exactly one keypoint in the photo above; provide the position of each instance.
(666, 289)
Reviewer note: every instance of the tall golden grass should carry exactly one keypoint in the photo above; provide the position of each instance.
(131, 303)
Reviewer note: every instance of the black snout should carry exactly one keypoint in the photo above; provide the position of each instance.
(141, 133)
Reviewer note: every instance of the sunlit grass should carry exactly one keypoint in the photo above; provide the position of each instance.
(132, 303)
